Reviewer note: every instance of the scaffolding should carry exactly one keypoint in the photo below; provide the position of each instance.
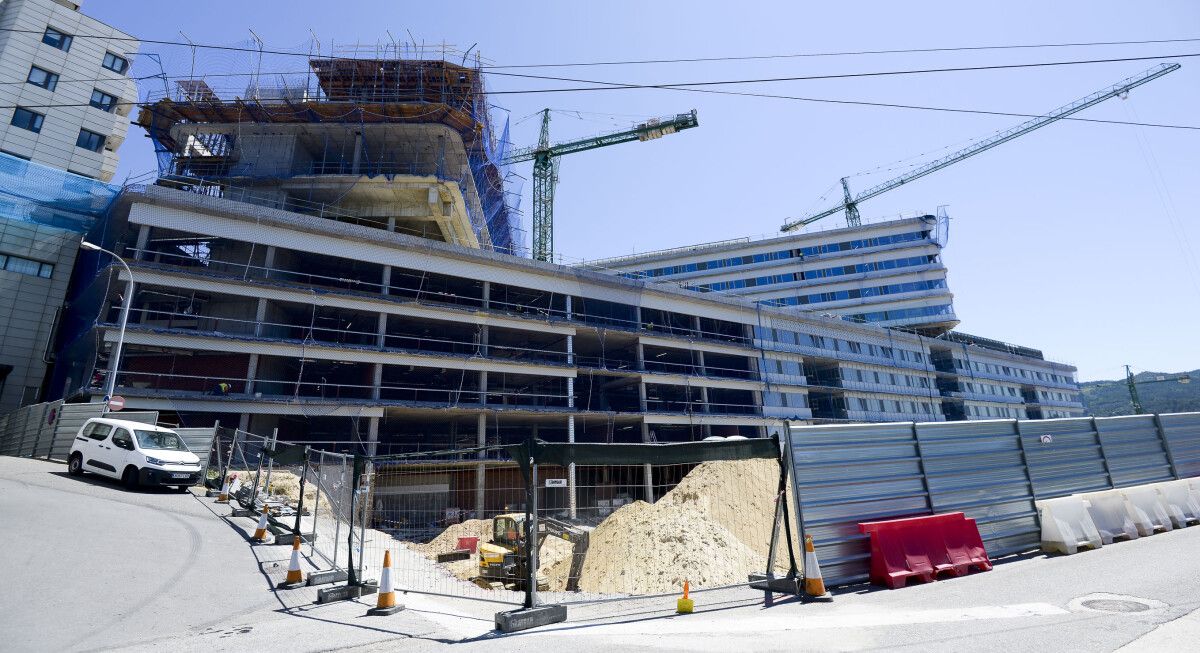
(401, 112)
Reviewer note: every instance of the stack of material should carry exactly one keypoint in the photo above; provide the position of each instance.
(554, 563)
(712, 529)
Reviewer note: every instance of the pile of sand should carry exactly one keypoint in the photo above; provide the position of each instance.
(286, 485)
(554, 563)
(712, 529)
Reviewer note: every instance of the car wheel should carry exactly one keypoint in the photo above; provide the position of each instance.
(75, 465)
(130, 478)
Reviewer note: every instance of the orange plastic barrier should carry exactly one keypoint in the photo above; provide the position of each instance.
(924, 548)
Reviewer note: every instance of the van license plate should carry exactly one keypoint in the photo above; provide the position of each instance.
(179, 475)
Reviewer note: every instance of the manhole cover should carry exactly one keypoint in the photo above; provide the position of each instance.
(1115, 605)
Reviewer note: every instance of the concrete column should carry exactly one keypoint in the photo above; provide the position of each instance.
(143, 239)
(251, 373)
(572, 498)
(381, 331)
(391, 224)
(481, 466)
(260, 316)
(647, 470)
(268, 261)
(376, 381)
(372, 435)
(386, 280)
(484, 332)
(244, 422)
(356, 165)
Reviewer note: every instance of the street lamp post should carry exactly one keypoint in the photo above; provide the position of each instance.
(1132, 384)
(110, 383)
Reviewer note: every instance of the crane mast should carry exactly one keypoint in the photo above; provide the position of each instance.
(545, 167)
(850, 202)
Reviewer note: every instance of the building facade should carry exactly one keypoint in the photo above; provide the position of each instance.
(888, 273)
(332, 330)
(44, 213)
(64, 86)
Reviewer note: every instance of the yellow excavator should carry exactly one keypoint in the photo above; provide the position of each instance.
(503, 559)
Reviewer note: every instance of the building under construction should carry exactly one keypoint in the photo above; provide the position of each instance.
(340, 257)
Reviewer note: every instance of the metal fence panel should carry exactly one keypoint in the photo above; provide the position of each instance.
(71, 417)
(1134, 450)
(978, 468)
(846, 474)
(1064, 456)
(1182, 434)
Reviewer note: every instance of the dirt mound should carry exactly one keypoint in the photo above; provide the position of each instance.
(554, 563)
(713, 528)
(285, 484)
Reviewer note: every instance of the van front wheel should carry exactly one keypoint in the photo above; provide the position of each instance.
(130, 478)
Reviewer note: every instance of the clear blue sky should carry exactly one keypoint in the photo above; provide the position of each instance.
(1079, 239)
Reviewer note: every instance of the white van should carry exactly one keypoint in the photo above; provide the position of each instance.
(136, 453)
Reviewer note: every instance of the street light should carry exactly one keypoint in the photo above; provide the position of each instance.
(1132, 384)
(110, 384)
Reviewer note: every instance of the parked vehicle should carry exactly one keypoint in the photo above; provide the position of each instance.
(137, 454)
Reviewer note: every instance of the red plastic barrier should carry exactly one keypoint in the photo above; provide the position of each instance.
(469, 543)
(924, 548)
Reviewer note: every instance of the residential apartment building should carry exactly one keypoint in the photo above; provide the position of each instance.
(64, 87)
(889, 273)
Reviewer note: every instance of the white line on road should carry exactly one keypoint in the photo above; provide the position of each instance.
(848, 618)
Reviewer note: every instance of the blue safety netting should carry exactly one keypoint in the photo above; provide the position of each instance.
(31, 192)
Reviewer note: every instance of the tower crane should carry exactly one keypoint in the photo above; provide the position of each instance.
(545, 167)
(850, 202)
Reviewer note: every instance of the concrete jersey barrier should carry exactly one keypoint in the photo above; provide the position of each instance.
(1109, 514)
(1067, 526)
(1147, 509)
(1183, 504)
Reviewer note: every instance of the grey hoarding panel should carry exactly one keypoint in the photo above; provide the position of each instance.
(70, 419)
(977, 468)
(1182, 432)
(848, 474)
(1064, 456)
(1134, 450)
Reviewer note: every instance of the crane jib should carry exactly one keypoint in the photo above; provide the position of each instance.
(1120, 88)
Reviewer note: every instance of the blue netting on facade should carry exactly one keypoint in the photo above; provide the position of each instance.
(30, 192)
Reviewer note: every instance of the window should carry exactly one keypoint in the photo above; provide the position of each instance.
(103, 101)
(57, 39)
(122, 439)
(115, 63)
(43, 78)
(90, 140)
(97, 431)
(26, 266)
(26, 119)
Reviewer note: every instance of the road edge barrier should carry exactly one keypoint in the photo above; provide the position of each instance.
(1067, 526)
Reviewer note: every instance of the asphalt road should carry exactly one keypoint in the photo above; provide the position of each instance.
(89, 566)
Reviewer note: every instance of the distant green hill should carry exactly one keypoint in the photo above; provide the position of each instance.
(1107, 398)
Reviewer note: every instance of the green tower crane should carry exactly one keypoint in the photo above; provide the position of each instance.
(545, 167)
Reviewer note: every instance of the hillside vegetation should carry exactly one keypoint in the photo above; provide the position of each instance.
(1108, 398)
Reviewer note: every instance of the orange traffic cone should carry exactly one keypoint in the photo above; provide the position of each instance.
(387, 593)
(814, 585)
(260, 533)
(685, 605)
(223, 497)
(294, 575)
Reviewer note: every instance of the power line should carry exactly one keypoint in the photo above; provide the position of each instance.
(234, 48)
(606, 86)
(834, 54)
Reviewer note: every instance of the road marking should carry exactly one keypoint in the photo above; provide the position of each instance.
(734, 623)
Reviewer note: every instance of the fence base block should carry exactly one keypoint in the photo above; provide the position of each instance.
(243, 512)
(526, 618)
(212, 493)
(288, 538)
(787, 585)
(323, 577)
(344, 592)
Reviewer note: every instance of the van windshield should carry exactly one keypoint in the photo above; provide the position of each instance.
(166, 440)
